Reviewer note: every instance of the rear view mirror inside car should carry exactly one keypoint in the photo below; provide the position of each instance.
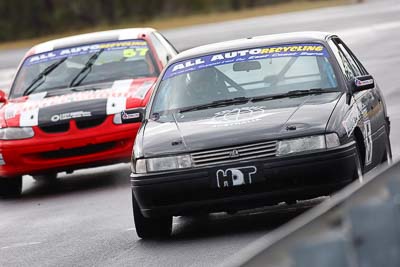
(246, 66)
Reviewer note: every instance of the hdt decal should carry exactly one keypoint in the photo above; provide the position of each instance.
(235, 176)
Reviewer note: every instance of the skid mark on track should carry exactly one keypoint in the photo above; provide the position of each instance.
(6, 76)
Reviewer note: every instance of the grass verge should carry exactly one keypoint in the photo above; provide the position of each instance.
(175, 22)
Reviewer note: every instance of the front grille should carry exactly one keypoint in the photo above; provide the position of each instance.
(80, 124)
(79, 151)
(235, 153)
(58, 128)
(84, 124)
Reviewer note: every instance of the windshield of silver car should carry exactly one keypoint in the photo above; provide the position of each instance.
(245, 75)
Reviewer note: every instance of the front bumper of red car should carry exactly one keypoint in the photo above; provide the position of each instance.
(73, 149)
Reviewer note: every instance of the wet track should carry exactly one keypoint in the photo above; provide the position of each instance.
(86, 218)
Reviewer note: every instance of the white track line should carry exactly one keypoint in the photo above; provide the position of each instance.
(357, 34)
(18, 245)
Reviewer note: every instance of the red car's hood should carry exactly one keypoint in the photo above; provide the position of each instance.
(40, 109)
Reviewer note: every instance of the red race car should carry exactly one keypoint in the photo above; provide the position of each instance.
(64, 109)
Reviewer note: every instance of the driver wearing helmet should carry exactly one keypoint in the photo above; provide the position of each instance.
(204, 86)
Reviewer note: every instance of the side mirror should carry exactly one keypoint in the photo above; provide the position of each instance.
(132, 115)
(3, 97)
(362, 83)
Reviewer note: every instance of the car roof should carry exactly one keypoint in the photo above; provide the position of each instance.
(89, 38)
(256, 41)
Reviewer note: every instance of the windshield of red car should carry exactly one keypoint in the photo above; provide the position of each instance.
(84, 65)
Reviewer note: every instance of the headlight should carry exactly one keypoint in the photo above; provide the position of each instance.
(163, 164)
(298, 145)
(15, 133)
(117, 119)
(332, 140)
(140, 166)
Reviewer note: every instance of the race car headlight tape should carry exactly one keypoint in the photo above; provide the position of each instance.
(304, 144)
(16, 133)
(163, 163)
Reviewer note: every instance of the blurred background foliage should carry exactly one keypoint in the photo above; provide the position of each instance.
(23, 19)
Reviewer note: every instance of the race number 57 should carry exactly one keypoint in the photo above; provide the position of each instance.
(132, 52)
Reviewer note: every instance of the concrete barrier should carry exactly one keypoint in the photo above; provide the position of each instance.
(358, 227)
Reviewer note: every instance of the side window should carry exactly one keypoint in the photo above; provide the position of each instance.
(171, 49)
(162, 52)
(354, 66)
(343, 61)
(352, 59)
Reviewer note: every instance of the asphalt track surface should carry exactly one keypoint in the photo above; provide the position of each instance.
(86, 218)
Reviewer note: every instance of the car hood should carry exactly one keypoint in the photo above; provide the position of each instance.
(238, 124)
(64, 105)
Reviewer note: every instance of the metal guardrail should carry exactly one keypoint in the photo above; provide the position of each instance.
(358, 227)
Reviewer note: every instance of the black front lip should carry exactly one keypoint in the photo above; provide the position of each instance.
(185, 191)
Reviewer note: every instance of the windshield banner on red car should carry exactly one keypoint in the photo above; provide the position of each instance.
(292, 50)
(131, 48)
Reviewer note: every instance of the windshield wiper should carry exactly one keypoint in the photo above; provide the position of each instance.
(308, 91)
(42, 76)
(294, 93)
(86, 88)
(242, 99)
(87, 67)
(217, 103)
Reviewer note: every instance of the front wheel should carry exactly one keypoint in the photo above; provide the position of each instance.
(151, 228)
(359, 171)
(387, 155)
(10, 187)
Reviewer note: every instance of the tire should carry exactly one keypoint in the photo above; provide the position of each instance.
(359, 171)
(11, 187)
(387, 156)
(48, 177)
(151, 228)
(386, 159)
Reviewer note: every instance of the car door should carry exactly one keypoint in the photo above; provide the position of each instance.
(369, 103)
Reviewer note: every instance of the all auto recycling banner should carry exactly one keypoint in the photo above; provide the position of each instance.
(130, 47)
(294, 50)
